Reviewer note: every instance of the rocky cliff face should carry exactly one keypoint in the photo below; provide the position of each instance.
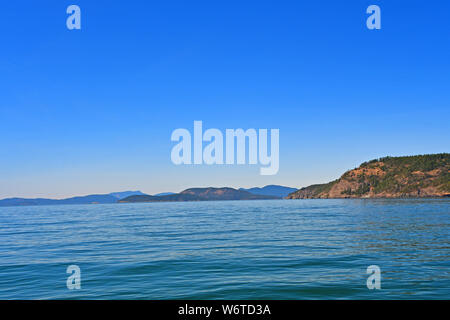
(389, 177)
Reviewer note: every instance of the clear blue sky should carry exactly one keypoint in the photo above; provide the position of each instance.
(92, 111)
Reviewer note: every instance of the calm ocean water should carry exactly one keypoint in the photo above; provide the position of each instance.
(280, 249)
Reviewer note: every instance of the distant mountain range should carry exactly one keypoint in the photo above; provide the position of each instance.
(193, 194)
(89, 199)
(199, 194)
(389, 177)
(271, 190)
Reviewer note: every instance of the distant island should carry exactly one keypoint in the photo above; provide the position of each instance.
(193, 194)
(389, 177)
(200, 194)
(89, 199)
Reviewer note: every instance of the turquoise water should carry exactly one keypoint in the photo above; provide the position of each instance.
(280, 249)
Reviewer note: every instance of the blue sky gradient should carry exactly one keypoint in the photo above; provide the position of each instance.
(92, 110)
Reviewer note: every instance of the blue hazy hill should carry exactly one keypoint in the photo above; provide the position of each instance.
(89, 199)
(163, 194)
(124, 194)
(271, 190)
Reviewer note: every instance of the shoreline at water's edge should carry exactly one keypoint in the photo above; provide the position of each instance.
(197, 201)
